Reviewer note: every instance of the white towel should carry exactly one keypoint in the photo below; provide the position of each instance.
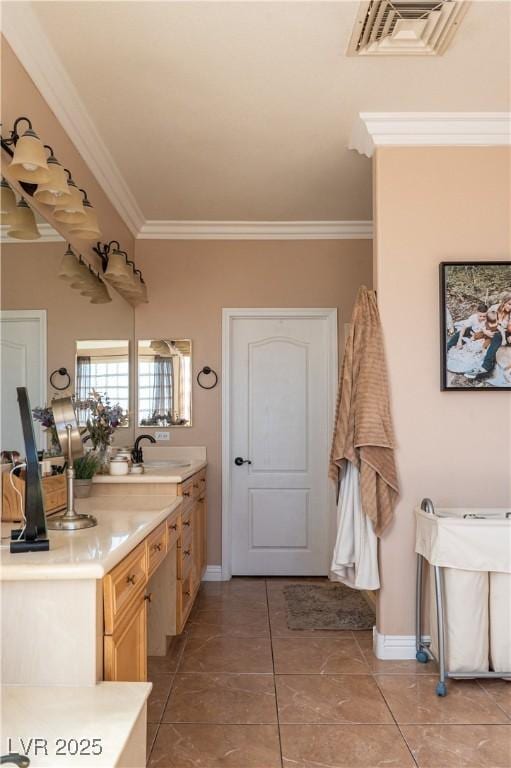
(355, 558)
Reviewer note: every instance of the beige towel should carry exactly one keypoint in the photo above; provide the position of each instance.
(363, 431)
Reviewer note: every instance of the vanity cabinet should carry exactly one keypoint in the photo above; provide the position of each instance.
(125, 588)
(191, 551)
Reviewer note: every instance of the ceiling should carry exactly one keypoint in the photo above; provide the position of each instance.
(243, 110)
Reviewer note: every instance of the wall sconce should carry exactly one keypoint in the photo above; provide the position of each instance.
(22, 223)
(29, 158)
(121, 273)
(80, 276)
(7, 202)
(52, 191)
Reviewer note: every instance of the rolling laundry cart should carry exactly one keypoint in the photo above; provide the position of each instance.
(469, 554)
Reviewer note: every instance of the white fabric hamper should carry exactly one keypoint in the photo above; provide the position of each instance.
(475, 556)
(500, 621)
(467, 623)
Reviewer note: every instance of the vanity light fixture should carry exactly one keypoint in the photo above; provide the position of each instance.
(43, 178)
(80, 275)
(56, 188)
(69, 209)
(121, 272)
(7, 202)
(29, 158)
(22, 223)
(89, 228)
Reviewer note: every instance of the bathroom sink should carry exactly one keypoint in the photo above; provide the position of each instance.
(167, 464)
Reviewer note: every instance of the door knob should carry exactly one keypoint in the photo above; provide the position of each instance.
(239, 461)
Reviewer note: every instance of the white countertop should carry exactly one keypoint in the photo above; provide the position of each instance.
(156, 474)
(123, 522)
(107, 712)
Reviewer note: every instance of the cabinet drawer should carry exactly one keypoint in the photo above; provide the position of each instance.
(198, 484)
(186, 519)
(184, 558)
(184, 600)
(123, 584)
(186, 491)
(156, 548)
(173, 530)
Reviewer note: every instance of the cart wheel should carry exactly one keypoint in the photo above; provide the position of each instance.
(422, 657)
(441, 689)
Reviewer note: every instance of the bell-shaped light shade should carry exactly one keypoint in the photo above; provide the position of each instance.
(101, 296)
(22, 223)
(29, 162)
(70, 268)
(7, 202)
(118, 272)
(89, 228)
(56, 188)
(69, 209)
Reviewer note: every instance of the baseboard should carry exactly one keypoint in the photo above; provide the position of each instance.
(213, 573)
(395, 647)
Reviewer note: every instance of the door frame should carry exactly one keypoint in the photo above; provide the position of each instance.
(228, 315)
(15, 315)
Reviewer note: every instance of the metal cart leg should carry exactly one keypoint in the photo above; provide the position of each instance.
(420, 654)
(441, 688)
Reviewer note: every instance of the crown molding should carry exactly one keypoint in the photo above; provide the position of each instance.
(430, 129)
(256, 230)
(30, 44)
(48, 235)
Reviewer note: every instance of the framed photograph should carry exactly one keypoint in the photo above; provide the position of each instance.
(475, 325)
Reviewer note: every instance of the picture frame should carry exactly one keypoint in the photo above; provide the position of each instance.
(475, 326)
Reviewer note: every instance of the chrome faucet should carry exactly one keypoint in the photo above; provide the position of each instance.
(137, 455)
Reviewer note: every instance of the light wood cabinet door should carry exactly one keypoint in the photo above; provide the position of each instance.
(126, 649)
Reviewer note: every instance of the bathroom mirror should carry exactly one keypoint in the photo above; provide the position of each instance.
(41, 319)
(102, 365)
(165, 383)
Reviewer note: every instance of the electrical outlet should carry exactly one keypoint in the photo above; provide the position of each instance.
(161, 436)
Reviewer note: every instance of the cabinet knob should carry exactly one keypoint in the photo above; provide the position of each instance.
(131, 578)
(149, 597)
(187, 523)
(174, 527)
(186, 493)
(188, 552)
(187, 593)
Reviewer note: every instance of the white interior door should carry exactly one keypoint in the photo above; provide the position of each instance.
(282, 377)
(23, 364)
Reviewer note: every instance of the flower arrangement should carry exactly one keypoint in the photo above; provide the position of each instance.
(44, 415)
(103, 419)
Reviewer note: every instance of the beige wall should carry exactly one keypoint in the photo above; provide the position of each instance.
(433, 205)
(190, 282)
(29, 281)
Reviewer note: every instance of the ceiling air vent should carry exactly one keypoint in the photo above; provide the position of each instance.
(399, 28)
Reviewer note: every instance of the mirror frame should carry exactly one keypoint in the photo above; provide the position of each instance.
(138, 425)
(131, 396)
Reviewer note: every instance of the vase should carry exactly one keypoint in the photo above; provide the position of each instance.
(82, 488)
(103, 452)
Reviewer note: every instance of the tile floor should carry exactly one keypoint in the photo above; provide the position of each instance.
(240, 690)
